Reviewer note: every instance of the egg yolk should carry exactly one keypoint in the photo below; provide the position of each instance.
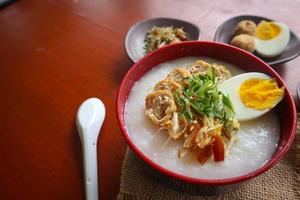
(267, 30)
(260, 93)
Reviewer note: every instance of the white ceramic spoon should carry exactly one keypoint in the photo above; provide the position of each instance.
(90, 117)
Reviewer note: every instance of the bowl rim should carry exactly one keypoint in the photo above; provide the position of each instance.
(193, 180)
(147, 20)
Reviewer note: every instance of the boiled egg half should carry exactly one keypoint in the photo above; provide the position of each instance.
(271, 38)
(252, 94)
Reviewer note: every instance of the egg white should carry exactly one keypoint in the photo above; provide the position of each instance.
(275, 46)
(231, 87)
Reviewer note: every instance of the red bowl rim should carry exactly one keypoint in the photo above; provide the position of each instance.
(188, 179)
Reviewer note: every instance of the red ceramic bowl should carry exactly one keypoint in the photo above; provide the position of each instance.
(222, 52)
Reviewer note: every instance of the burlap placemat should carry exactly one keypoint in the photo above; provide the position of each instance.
(140, 181)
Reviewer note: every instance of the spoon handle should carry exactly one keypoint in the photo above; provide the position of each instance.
(90, 171)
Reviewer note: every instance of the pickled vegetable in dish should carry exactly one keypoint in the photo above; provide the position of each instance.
(188, 104)
(161, 36)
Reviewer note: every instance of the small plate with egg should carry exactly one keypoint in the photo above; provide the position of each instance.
(272, 41)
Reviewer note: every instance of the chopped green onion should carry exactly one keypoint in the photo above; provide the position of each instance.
(202, 96)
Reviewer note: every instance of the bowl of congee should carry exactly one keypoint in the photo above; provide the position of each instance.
(206, 113)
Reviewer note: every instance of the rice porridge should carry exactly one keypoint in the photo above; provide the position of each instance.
(255, 144)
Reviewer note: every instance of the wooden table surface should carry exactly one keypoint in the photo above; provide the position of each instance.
(55, 54)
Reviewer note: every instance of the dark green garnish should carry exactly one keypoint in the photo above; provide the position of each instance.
(201, 96)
